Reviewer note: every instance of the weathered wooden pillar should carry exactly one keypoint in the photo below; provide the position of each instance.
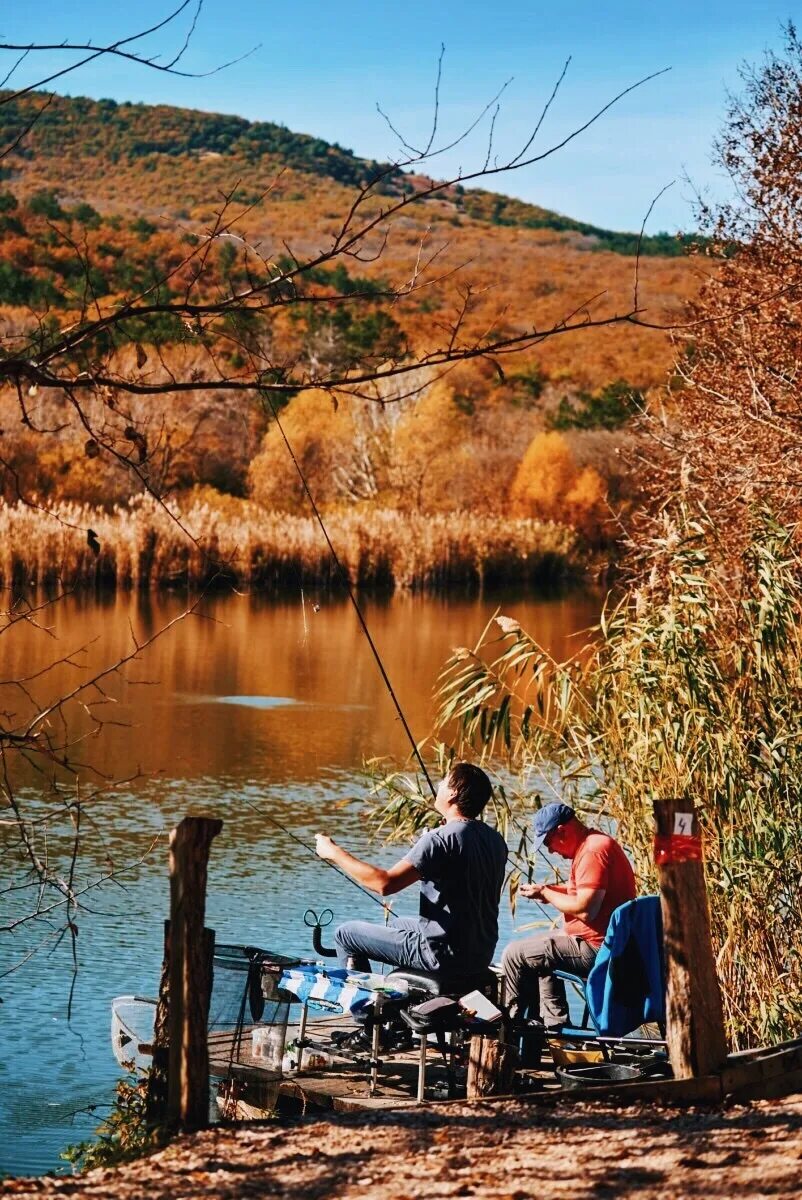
(491, 1067)
(697, 1042)
(190, 974)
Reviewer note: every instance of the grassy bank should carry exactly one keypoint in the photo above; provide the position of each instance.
(142, 545)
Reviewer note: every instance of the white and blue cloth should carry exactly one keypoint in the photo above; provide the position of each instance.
(337, 991)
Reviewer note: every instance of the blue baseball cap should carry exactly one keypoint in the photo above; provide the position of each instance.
(548, 818)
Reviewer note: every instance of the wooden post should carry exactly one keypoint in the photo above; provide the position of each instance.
(157, 1079)
(190, 976)
(697, 1043)
(157, 1088)
(491, 1067)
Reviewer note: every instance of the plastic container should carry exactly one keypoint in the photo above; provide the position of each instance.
(310, 1059)
(316, 1060)
(597, 1075)
(267, 1045)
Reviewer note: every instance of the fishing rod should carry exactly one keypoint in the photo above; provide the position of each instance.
(294, 837)
(351, 595)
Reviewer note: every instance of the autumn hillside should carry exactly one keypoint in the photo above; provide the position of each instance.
(102, 201)
(140, 166)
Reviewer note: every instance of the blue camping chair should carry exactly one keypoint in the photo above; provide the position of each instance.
(626, 985)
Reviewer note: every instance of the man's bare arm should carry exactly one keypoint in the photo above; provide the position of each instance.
(584, 905)
(375, 879)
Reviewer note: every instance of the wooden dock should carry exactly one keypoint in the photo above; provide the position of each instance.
(344, 1086)
(341, 1086)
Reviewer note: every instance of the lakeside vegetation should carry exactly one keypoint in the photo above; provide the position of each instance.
(221, 542)
(471, 482)
(684, 690)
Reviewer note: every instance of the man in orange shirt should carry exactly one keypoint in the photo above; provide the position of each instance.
(601, 878)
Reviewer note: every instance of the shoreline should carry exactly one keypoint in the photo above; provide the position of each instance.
(147, 546)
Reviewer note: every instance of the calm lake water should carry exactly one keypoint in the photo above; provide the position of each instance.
(249, 705)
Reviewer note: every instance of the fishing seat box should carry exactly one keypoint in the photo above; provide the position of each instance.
(446, 983)
(439, 1013)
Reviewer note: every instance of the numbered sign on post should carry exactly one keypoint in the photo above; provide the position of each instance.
(678, 838)
(697, 1044)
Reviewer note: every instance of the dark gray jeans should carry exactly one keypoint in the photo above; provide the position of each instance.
(527, 967)
(400, 944)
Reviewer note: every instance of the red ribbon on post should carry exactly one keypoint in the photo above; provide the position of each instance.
(677, 848)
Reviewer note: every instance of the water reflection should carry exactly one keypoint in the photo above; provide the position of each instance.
(245, 709)
(335, 707)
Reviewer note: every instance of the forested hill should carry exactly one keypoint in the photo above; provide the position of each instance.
(104, 203)
(78, 130)
(130, 132)
(106, 199)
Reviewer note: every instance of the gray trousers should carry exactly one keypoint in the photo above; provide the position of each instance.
(530, 987)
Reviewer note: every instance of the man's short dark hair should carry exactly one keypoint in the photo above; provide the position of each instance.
(470, 788)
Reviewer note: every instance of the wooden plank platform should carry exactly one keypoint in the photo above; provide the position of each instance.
(346, 1088)
(344, 1085)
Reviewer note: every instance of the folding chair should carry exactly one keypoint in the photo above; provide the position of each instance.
(427, 1014)
(626, 985)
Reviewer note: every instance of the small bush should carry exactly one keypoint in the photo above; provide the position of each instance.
(45, 204)
(122, 1135)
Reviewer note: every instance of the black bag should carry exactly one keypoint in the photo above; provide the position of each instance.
(438, 1015)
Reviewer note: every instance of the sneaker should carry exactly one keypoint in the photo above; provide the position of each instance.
(352, 1039)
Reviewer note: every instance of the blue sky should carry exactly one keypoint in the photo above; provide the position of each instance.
(321, 68)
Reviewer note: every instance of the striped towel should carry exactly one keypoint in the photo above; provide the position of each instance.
(337, 990)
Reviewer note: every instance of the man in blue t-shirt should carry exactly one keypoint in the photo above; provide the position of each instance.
(460, 866)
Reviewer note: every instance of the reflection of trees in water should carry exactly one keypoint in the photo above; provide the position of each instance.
(251, 648)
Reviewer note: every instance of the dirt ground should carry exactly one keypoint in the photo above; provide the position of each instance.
(503, 1150)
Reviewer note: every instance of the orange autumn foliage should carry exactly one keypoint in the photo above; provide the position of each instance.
(319, 435)
(551, 486)
(414, 453)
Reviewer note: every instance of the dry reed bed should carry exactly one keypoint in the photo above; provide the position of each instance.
(144, 545)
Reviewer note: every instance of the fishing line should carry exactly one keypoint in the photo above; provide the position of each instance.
(314, 852)
(351, 595)
(386, 908)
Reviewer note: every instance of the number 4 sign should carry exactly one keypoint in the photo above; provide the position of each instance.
(683, 824)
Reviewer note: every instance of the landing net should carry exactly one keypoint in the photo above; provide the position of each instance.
(248, 1019)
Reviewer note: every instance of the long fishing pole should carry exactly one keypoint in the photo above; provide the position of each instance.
(351, 595)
